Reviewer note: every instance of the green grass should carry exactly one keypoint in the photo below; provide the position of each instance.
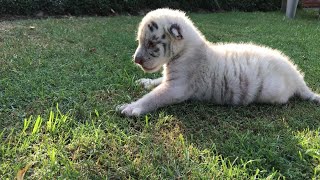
(61, 80)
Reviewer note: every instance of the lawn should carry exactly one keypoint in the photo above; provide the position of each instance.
(61, 79)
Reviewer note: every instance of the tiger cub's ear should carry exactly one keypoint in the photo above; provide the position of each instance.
(175, 31)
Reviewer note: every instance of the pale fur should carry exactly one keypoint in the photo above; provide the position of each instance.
(193, 68)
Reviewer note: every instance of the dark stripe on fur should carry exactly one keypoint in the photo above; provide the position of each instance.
(213, 84)
(151, 54)
(259, 72)
(169, 49)
(221, 92)
(154, 37)
(259, 90)
(150, 27)
(226, 88)
(171, 79)
(155, 25)
(234, 67)
(230, 101)
(244, 83)
(177, 56)
(164, 48)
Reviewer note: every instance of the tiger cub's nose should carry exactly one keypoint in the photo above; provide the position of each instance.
(138, 59)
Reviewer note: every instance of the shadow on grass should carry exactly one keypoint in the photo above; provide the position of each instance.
(263, 134)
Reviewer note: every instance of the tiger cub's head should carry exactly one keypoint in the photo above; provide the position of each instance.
(161, 37)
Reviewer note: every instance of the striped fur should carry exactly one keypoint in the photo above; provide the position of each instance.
(193, 68)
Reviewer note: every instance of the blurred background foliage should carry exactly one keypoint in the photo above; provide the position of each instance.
(132, 7)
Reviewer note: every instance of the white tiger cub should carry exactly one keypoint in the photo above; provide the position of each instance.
(193, 68)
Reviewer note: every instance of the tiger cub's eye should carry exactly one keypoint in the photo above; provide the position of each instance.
(151, 44)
